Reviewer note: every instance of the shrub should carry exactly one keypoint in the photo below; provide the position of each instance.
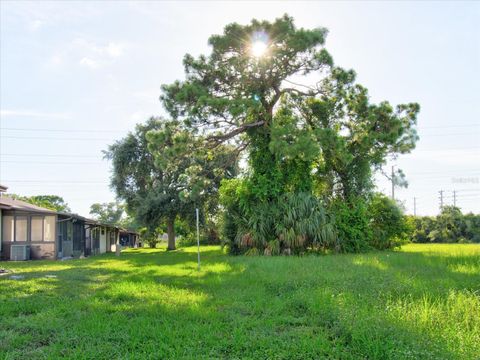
(351, 224)
(387, 222)
(152, 241)
(292, 222)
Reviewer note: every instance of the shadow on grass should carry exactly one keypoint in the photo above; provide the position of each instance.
(155, 304)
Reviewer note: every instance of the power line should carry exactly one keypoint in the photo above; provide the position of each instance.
(50, 155)
(64, 130)
(454, 134)
(58, 181)
(448, 126)
(448, 149)
(456, 195)
(119, 131)
(54, 138)
(52, 162)
(439, 172)
(68, 186)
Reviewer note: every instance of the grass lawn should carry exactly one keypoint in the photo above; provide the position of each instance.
(422, 302)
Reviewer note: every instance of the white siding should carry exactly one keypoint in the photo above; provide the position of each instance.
(103, 240)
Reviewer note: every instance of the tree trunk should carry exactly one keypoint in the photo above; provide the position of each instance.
(171, 234)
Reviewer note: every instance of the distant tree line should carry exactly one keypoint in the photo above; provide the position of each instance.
(450, 226)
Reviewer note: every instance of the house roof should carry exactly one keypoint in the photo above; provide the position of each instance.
(9, 203)
(123, 230)
(3, 188)
(98, 223)
(67, 215)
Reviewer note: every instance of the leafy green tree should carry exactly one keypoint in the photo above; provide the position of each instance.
(162, 173)
(136, 178)
(304, 137)
(449, 226)
(232, 94)
(191, 174)
(356, 137)
(472, 231)
(52, 202)
(108, 213)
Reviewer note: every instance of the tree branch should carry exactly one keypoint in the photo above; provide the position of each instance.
(218, 139)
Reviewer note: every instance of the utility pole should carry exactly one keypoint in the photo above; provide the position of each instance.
(454, 198)
(441, 199)
(393, 182)
(414, 206)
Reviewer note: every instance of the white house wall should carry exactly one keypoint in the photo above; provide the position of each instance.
(103, 240)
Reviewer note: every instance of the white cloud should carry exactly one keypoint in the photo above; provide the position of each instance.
(36, 24)
(95, 55)
(90, 63)
(88, 54)
(148, 95)
(114, 49)
(139, 116)
(56, 59)
(33, 113)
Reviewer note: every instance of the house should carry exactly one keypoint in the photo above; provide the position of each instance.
(40, 233)
(26, 225)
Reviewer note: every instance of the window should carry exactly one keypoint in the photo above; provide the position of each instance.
(49, 228)
(8, 227)
(21, 224)
(36, 228)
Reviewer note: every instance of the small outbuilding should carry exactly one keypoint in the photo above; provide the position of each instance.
(100, 237)
(128, 238)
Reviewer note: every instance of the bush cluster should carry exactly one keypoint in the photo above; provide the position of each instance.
(450, 226)
(295, 223)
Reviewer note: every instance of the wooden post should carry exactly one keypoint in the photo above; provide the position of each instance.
(198, 239)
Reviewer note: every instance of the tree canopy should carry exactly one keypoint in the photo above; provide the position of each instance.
(52, 202)
(291, 108)
(311, 136)
(108, 213)
(162, 173)
(308, 128)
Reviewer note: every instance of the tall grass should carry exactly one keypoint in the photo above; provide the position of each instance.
(418, 303)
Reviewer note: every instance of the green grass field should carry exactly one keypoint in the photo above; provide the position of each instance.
(422, 302)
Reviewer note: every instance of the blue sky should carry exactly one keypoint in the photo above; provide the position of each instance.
(79, 75)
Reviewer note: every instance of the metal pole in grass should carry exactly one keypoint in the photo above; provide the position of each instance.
(198, 239)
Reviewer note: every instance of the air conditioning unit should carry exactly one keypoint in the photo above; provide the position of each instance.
(20, 252)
